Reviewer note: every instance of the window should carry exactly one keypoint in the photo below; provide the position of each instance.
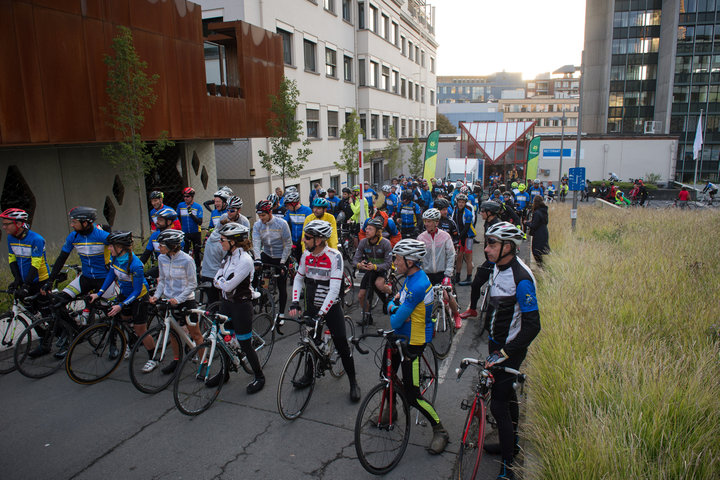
(287, 46)
(385, 80)
(361, 15)
(417, 92)
(373, 74)
(422, 94)
(386, 126)
(394, 33)
(422, 58)
(312, 119)
(374, 126)
(361, 71)
(432, 64)
(330, 6)
(417, 54)
(330, 62)
(385, 27)
(411, 51)
(403, 45)
(395, 125)
(403, 128)
(372, 20)
(394, 85)
(410, 90)
(347, 10)
(332, 124)
(363, 124)
(432, 97)
(347, 68)
(309, 55)
(402, 88)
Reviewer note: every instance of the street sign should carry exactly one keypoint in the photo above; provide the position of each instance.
(576, 179)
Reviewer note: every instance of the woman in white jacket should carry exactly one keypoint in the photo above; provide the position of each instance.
(233, 279)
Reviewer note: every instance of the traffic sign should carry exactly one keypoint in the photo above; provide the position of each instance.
(576, 179)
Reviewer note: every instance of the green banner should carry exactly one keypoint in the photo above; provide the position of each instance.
(431, 150)
(533, 159)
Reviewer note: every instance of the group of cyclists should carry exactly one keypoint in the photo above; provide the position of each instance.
(424, 229)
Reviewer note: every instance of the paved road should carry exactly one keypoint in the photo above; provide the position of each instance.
(54, 428)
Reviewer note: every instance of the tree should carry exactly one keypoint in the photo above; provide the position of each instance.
(392, 153)
(349, 152)
(131, 93)
(416, 162)
(284, 131)
(444, 124)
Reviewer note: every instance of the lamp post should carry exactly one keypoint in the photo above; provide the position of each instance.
(562, 144)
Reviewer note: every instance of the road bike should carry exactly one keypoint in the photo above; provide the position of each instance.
(12, 324)
(269, 300)
(315, 355)
(473, 437)
(444, 325)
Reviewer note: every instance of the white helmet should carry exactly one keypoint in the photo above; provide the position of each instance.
(292, 197)
(223, 195)
(410, 249)
(318, 228)
(386, 188)
(235, 202)
(506, 232)
(432, 214)
(291, 188)
(234, 230)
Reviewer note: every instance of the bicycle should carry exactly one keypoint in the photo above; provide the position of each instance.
(269, 299)
(444, 330)
(382, 430)
(473, 437)
(12, 324)
(314, 356)
(201, 374)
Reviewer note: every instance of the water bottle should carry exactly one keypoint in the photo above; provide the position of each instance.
(83, 317)
(326, 340)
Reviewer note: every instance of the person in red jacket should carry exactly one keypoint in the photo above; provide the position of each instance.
(683, 197)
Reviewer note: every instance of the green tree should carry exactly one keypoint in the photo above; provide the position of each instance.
(416, 163)
(284, 131)
(444, 124)
(349, 151)
(131, 93)
(393, 153)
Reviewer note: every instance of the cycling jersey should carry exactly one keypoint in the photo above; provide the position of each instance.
(370, 195)
(187, 224)
(128, 271)
(235, 275)
(391, 201)
(427, 198)
(296, 221)
(464, 221)
(332, 242)
(551, 190)
(321, 275)
(534, 191)
(177, 278)
(521, 200)
(440, 256)
(29, 252)
(272, 238)
(334, 202)
(242, 220)
(93, 251)
(379, 254)
(215, 217)
(409, 215)
(447, 224)
(355, 205)
(413, 313)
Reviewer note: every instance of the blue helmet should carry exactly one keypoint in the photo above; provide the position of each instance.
(321, 202)
(167, 213)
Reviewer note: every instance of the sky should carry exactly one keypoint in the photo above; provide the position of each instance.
(479, 37)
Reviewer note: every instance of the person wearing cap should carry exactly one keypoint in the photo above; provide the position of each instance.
(319, 212)
(191, 218)
(26, 253)
(373, 257)
(166, 218)
(464, 217)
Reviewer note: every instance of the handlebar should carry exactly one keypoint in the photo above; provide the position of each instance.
(481, 364)
(218, 317)
(399, 340)
(302, 320)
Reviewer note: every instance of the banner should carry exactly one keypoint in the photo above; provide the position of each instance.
(533, 159)
(431, 152)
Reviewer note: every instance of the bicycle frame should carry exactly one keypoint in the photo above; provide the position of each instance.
(170, 322)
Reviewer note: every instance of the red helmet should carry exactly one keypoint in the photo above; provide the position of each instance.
(17, 214)
(264, 206)
(189, 191)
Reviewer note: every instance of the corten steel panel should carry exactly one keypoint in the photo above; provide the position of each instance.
(153, 17)
(188, 21)
(117, 11)
(13, 116)
(67, 6)
(172, 88)
(98, 38)
(153, 52)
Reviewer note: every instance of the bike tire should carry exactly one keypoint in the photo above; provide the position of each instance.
(95, 353)
(470, 452)
(263, 338)
(337, 369)
(348, 287)
(266, 303)
(191, 394)
(291, 400)
(61, 335)
(380, 446)
(428, 374)
(444, 331)
(11, 328)
(155, 381)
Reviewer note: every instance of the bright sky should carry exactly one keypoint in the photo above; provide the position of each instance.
(479, 37)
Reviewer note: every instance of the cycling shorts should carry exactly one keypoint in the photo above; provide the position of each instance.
(465, 246)
(370, 277)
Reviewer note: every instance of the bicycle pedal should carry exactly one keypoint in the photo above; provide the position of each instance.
(465, 405)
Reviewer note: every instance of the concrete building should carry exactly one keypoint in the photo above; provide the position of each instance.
(376, 57)
(545, 110)
(487, 88)
(562, 83)
(470, 112)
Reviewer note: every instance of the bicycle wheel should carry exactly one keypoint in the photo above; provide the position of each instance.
(11, 327)
(95, 353)
(163, 353)
(37, 356)
(263, 338)
(266, 303)
(381, 431)
(444, 330)
(199, 380)
(471, 447)
(348, 287)
(297, 382)
(337, 369)
(428, 373)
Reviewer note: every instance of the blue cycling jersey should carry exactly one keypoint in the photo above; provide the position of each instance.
(128, 271)
(93, 251)
(408, 215)
(391, 201)
(29, 252)
(521, 200)
(413, 316)
(186, 222)
(296, 220)
(215, 217)
(370, 195)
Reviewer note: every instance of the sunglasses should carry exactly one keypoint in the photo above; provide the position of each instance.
(232, 210)
(491, 240)
(187, 196)
(224, 240)
(309, 237)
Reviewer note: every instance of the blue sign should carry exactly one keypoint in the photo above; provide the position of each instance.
(576, 179)
(555, 152)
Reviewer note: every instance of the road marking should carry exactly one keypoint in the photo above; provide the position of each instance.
(448, 360)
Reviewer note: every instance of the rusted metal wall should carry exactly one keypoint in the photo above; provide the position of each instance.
(53, 76)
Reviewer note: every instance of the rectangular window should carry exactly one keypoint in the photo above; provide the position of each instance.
(373, 74)
(347, 68)
(394, 33)
(395, 125)
(410, 90)
(347, 10)
(361, 72)
(332, 124)
(312, 119)
(403, 128)
(361, 15)
(287, 46)
(432, 97)
(417, 54)
(422, 58)
(330, 5)
(394, 85)
(403, 46)
(385, 27)
(374, 126)
(309, 48)
(363, 124)
(432, 64)
(385, 80)
(372, 20)
(386, 126)
(417, 92)
(330, 62)
(411, 50)
(402, 88)
(422, 94)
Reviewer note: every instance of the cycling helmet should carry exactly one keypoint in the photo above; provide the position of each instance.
(489, 206)
(84, 214)
(458, 184)
(521, 187)
(461, 196)
(223, 195)
(17, 214)
(331, 190)
(167, 213)
(292, 197)
(432, 214)
(234, 231)
(227, 190)
(506, 232)
(346, 190)
(514, 185)
(406, 195)
(291, 188)
(156, 194)
(356, 188)
(321, 202)
(272, 198)
(536, 181)
(464, 189)
(318, 228)
(235, 202)
(123, 238)
(410, 249)
(375, 222)
(171, 237)
(496, 192)
(189, 191)
(263, 206)
(385, 188)
(322, 192)
(441, 203)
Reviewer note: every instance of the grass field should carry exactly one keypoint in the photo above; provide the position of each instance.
(624, 377)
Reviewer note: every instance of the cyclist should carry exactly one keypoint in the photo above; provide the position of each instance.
(220, 199)
(390, 230)
(26, 253)
(522, 200)
(176, 282)
(514, 323)
(439, 263)
(370, 195)
(374, 257)
(234, 279)
(272, 243)
(295, 216)
(411, 316)
(319, 210)
(333, 200)
(356, 203)
(191, 218)
(564, 189)
(344, 212)
(127, 270)
(710, 189)
(536, 189)
(446, 223)
(550, 192)
(409, 214)
(233, 215)
(165, 219)
(463, 217)
(156, 200)
(320, 274)
(275, 201)
(390, 200)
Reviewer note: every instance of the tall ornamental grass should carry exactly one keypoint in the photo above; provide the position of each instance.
(625, 375)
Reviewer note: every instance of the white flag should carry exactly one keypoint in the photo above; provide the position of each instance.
(697, 146)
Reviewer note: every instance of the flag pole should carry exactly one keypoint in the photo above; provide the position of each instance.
(697, 148)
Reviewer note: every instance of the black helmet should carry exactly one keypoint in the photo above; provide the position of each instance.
(156, 194)
(121, 237)
(489, 206)
(375, 222)
(346, 190)
(171, 237)
(406, 195)
(84, 214)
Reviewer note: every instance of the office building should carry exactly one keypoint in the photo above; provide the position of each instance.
(480, 89)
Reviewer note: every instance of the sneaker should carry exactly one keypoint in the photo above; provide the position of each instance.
(38, 351)
(467, 281)
(458, 320)
(169, 368)
(149, 366)
(127, 352)
(256, 385)
(439, 441)
(469, 313)
(354, 393)
(62, 353)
